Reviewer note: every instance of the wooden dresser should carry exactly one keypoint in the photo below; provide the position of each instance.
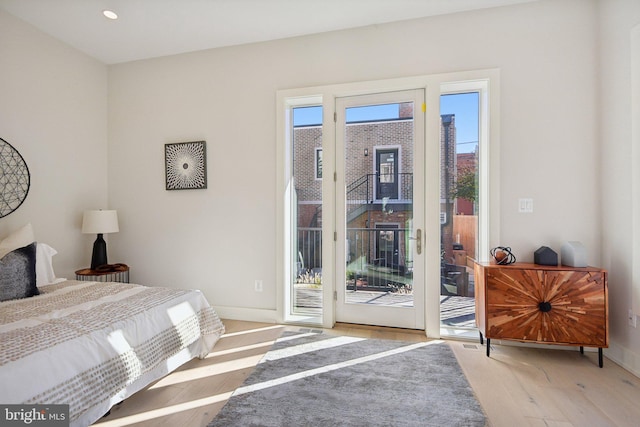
(542, 304)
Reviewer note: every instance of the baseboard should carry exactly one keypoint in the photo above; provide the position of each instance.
(248, 314)
(624, 357)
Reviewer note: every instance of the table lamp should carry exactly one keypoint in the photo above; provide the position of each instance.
(99, 222)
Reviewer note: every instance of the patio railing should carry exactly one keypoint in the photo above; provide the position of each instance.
(380, 257)
(383, 250)
(363, 191)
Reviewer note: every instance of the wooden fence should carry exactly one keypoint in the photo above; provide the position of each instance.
(465, 231)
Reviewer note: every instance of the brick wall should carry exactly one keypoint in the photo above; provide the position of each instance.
(305, 142)
(447, 126)
(447, 180)
(362, 140)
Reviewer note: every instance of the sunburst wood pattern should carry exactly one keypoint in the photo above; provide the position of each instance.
(528, 302)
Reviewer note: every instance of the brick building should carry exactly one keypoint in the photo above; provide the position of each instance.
(379, 193)
(307, 172)
(447, 181)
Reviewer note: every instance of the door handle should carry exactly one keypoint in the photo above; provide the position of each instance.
(418, 240)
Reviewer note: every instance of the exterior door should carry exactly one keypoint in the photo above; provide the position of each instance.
(380, 209)
(387, 174)
(388, 248)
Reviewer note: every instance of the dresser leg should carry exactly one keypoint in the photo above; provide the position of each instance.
(488, 346)
(600, 363)
(481, 338)
(581, 350)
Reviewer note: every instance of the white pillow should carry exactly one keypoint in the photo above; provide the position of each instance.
(18, 239)
(44, 265)
(44, 253)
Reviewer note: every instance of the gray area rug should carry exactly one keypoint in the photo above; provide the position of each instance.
(315, 379)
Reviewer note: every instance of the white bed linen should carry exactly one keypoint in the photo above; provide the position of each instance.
(91, 345)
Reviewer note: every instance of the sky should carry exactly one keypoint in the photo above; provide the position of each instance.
(464, 106)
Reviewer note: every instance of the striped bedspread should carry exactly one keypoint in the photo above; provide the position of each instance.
(91, 345)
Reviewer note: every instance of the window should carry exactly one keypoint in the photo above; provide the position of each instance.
(318, 163)
(463, 198)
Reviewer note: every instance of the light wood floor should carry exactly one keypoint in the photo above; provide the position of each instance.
(516, 386)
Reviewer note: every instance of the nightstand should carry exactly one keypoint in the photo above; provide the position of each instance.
(116, 273)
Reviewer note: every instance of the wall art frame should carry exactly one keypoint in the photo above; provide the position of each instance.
(15, 179)
(185, 165)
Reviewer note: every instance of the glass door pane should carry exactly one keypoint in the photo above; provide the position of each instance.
(306, 289)
(379, 137)
(459, 135)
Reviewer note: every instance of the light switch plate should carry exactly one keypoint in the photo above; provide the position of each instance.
(525, 205)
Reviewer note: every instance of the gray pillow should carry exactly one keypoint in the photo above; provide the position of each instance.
(18, 273)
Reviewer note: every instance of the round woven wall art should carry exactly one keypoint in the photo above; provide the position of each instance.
(14, 179)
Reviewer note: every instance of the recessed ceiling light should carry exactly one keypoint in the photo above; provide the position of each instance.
(110, 14)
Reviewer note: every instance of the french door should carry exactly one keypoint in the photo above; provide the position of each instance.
(380, 165)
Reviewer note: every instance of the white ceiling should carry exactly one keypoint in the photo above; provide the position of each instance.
(151, 28)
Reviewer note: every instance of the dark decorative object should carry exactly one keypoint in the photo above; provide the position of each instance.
(186, 165)
(503, 255)
(544, 306)
(14, 179)
(99, 253)
(545, 256)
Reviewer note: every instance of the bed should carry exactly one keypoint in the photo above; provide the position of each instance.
(93, 344)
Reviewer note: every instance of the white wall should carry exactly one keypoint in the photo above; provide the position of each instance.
(222, 239)
(618, 17)
(53, 110)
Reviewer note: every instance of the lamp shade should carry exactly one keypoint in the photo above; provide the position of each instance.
(100, 222)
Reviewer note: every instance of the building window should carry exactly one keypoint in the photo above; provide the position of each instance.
(318, 163)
